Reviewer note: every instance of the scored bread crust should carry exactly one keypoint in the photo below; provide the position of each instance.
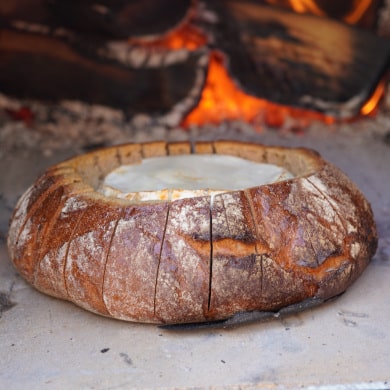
(192, 260)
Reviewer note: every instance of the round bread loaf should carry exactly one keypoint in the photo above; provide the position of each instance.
(198, 258)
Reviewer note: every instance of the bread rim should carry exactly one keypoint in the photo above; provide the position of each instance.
(258, 249)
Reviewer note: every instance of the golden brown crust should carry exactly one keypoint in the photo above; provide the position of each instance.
(182, 285)
(132, 262)
(195, 259)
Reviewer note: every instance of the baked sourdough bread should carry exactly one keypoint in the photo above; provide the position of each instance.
(192, 260)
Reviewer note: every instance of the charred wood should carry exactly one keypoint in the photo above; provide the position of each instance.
(53, 50)
(301, 60)
(40, 67)
(108, 19)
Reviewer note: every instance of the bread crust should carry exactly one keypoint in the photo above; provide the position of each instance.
(195, 259)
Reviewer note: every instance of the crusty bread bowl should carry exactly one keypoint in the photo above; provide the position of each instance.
(196, 259)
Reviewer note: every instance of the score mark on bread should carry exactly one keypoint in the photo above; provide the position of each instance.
(277, 227)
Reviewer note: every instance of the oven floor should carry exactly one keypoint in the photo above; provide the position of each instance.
(341, 344)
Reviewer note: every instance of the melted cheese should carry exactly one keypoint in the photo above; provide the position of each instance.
(185, 176)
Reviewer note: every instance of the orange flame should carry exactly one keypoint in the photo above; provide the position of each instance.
(372, 103)
(358, 9)
(222, 99)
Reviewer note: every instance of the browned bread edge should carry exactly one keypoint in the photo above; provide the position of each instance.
(262, 248)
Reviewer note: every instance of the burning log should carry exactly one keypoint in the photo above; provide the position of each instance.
(151, 56)
(40, 67)
(302, 60)
(357, 12)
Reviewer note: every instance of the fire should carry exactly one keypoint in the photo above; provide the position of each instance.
(222, 99)
(372, 103)
(356, 13)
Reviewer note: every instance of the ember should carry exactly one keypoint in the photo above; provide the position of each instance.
(222, 100)
(350, 11)
(372, 103)
(185, 36)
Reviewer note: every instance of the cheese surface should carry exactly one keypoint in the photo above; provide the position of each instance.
(183, 176)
